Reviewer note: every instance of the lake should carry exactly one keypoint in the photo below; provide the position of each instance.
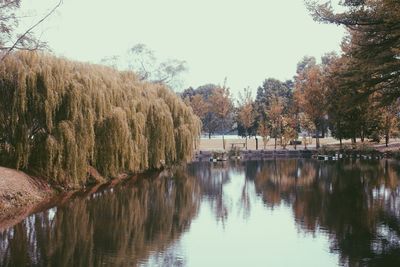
(284, 212)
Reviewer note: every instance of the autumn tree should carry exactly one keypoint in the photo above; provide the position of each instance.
(209, 119)
(289, 130)
(204, 99)
(390, 119)
(337, 106)
(307, 125)
(275, 116)
(373, 44)
(351, 115)
(245, 113)
(199, 105)
(270, 90)
(368, 80)
(310, 93)
(264, 131)
(220, 103)
(274, 99)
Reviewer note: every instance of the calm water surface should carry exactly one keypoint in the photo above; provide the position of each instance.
(294, 212)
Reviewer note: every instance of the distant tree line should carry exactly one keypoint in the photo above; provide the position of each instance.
(354, 95)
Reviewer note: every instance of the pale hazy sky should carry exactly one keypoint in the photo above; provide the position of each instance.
(243, 40)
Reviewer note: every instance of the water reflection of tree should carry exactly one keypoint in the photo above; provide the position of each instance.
(356, 203)
(116, 228)
(211, 178)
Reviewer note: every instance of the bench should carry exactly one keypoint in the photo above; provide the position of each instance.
(241, 144)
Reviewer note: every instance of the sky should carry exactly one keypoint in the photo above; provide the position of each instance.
(246, 41)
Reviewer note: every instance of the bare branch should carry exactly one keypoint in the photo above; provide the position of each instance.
(29, 30)
(6, 5)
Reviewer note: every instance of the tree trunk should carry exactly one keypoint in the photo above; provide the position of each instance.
(256, 143)
(317, 139)
(246, 141)
(362, 136)
(341, 144)
(209, 135)
(387, 139)
(275, 142)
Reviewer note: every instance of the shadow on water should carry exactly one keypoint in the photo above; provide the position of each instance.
(355, 204)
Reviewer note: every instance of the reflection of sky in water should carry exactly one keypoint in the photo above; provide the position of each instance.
(251, 234)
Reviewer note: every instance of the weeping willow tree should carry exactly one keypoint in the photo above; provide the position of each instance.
(59, 117)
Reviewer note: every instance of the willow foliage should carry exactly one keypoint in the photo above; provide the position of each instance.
(58, 117)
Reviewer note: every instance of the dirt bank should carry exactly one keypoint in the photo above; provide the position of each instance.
(19, 194)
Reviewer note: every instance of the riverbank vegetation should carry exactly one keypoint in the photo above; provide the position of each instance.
(59, 118)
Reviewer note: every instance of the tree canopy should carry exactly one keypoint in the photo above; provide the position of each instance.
(59, 117)
(372, 46)
(214, 106)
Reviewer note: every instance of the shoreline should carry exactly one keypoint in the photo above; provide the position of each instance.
(22, 195)
(211, 149)
(215, 144)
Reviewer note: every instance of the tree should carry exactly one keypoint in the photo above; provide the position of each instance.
(289, 130)
(274, 99)
(144, 62)
(275, 115)
(210, 95)
(350, 116)
(9, 39)
(245, 114)
(54, 122)
(264, 132)
(199, 106)
(390, 116)
(372, 46)
(221, 105)
(338, 106)
(310, 94)
(268, 92)
(307, 125)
